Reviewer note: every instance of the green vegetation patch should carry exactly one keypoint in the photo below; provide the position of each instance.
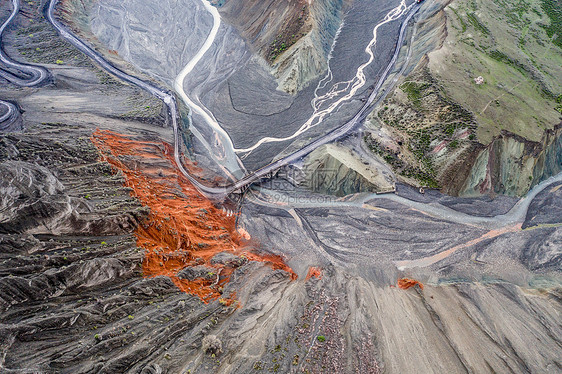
(515, 11)
(502, 57)
(559, 104)
(460, 19)
(415, 91)
(295, 29)
(553, 9)
(508, 43)
(478, 25)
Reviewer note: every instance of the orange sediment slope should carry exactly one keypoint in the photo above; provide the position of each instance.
(406, 283)
(315, 272)
(184, 229)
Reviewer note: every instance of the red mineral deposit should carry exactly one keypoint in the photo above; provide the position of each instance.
(183, 228)
(315, 272)
(406, 283)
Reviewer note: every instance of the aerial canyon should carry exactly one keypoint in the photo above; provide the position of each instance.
(280, 186)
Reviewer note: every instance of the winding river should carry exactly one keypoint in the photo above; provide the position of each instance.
(223, 148)
(339, 92)
(499, 224)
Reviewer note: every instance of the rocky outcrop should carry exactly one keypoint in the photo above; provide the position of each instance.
(199, 271)
(336, 170)
(29, 196)
(475, 115)
(511, 165)
(422, 134)
(308, 58)
(294, 37)
(34, 198)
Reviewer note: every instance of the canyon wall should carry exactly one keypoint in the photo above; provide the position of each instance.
(511, 165)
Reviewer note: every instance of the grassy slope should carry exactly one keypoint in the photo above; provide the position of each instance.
(506, 42)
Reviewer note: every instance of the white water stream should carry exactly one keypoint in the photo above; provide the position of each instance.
(324, 105)
(222, 148)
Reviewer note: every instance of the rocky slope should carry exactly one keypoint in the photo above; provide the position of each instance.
(335, 170)
(482, 107)
(110, 262)
(294, 37)
(75, 299)
(511, 164)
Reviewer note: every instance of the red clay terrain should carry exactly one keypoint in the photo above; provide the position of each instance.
(406, 283)
(315, 272)
(184, 231)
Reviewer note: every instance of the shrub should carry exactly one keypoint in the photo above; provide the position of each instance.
(211, 345)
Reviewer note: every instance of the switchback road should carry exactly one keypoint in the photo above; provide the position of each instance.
(169, 99)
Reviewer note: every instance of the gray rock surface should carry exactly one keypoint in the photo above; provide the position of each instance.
(229, 259)
(199, 271)
(73, 298)
(544, 209)
(30, 194)
(335, 170)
